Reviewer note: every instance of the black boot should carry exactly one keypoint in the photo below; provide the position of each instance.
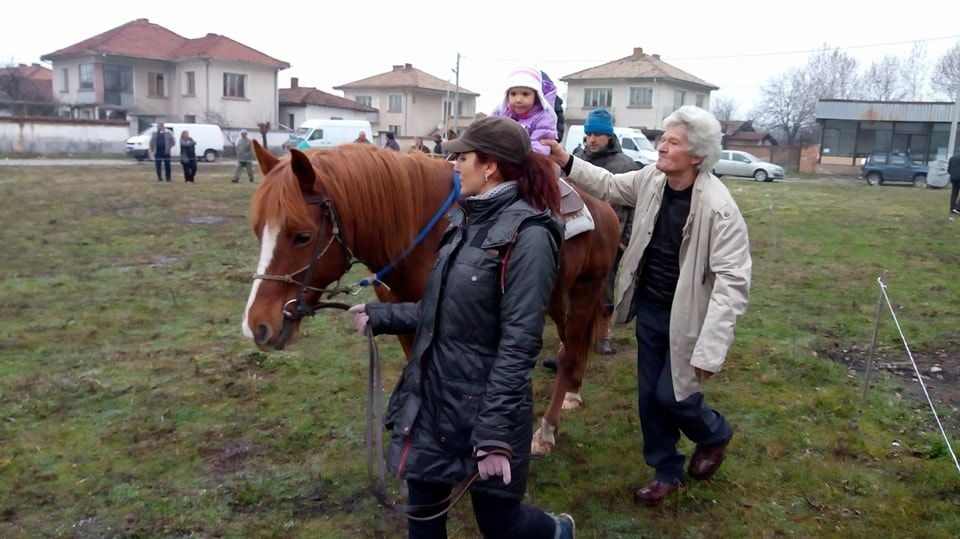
(550, 362)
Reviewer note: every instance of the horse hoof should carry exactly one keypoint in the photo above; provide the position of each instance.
(572, 401)
(544, 440)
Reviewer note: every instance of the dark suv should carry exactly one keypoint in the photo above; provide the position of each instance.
(892, 166)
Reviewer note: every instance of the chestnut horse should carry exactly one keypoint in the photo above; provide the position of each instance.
(317, 213)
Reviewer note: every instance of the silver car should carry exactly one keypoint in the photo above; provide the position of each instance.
(737, 163)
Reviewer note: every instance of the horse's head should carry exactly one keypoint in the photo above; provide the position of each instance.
(302, 248)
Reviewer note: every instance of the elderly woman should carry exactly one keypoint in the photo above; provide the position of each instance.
(685, 277)
(464, 402)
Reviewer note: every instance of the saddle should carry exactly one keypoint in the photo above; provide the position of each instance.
(576, 216)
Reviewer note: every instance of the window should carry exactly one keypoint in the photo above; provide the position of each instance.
(597, 97)
(627, 144)
(155, 85)
(233, 85)
(86, 77)
(65, 76)
(395, 129)
(189, 118)
(117, 81)
(291, 121)
(700, 98)
(317, 134)
(396, 103)
(447, 112)
(679, 96)
(641, 97)
(190, 83)
(365, 100)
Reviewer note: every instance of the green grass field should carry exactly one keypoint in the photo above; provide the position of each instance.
(131, 405)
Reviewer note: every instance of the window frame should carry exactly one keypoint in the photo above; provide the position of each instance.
(682, 95)
(156, 84)
(81, 85)
(234, 85)
(395, 103)
(597, 98)
(365, 100)
(190, 81)
(65, 75)
(639, 92)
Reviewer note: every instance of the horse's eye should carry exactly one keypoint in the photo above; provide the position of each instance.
(301, 239)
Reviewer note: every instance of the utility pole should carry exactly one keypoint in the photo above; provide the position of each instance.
(456, 99)
(953, 124)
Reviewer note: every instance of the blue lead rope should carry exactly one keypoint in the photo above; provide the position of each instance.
(454, 195)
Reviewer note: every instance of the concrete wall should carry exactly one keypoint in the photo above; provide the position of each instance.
(62, 135)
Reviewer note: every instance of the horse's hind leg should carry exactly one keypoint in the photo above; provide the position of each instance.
(582, 310)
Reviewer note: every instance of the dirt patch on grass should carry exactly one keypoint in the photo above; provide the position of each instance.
(940, 370)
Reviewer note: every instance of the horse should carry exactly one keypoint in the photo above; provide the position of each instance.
(318, 212)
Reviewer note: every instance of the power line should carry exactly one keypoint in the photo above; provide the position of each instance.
(748, 55)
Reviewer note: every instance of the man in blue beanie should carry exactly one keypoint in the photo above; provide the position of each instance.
(601, 147)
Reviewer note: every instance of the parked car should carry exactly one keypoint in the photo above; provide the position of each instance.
(737, 163)
(881, 167)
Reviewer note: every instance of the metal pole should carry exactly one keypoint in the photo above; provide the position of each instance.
(873, 343)
(953, 124)
(456, 100)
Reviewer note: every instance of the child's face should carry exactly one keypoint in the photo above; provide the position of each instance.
(521, 99)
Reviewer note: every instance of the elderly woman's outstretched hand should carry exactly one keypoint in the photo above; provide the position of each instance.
(557, 154)
(360, 317)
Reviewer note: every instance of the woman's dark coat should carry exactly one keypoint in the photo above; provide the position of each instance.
(468, 383)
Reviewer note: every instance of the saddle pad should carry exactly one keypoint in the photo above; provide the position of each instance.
(578, 222)
(570, 201)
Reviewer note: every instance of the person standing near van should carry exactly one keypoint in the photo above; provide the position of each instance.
(953, 169)
(188, 156)
(244, 157)
(392, 142)
(418, 146)
(161, 142)
(361, 138)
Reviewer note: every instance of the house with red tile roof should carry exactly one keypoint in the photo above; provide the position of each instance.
(413, 102)
(741, 135)
(25, 89)
(143, 72)
(301, 103)
(639, 90)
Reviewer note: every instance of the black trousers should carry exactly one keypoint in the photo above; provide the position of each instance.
(189, 170)
(165, 159)
(954, 193)
(662, 417)
(496, 516)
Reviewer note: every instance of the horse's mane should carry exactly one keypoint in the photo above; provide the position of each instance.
(380, 196)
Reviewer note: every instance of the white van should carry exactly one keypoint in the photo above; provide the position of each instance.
(330, 133)
(209, 139)
(635, 144)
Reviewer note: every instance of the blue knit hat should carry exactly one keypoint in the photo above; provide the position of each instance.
(599, 122)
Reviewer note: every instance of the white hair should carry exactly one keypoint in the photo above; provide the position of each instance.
(703, 133)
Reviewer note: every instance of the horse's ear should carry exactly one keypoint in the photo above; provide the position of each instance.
(303, 170)
(266, 159)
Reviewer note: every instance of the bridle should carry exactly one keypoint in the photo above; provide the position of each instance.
(295, 309)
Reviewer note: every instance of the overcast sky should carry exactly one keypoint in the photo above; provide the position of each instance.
(736, 45)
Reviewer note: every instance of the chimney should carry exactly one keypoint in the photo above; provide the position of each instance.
(294, 82)
(637, 52)
(397, 68)
(656, 56)
(407, 67)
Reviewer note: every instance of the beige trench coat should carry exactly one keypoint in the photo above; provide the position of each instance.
(715, 264)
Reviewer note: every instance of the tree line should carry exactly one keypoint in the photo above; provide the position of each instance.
(788, 100)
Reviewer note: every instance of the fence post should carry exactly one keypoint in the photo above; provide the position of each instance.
(873, 343)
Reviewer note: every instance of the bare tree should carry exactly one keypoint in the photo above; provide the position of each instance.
(788, 101)
(916, 69)
(946, 75)
(883, 80)
(724, 108)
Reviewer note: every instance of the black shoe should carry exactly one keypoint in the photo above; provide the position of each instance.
(550, 362)
(234, 181)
